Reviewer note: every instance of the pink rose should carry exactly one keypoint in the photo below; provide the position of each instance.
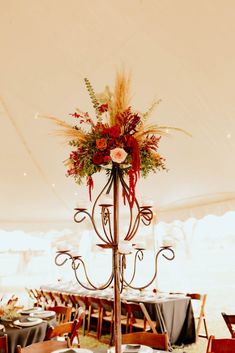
(118, 155)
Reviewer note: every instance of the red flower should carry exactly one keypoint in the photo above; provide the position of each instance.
(103, 108)
(71, 171)
(75, 115)
(99, 127)
(105, 131)
(114, 131)
(111, 143)
(73, 155)
(107, 159)
(101, 144)
(98, 158)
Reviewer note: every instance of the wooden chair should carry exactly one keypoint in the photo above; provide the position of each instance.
(154, 340)
(80, 317)
(47, 297)
(34, 296)
(135, 318)
(151, 323)
(42, 299)
(57, 298)
(4, 344)
(80, 301)
(63, 313)
(67, 330)
(198, 303)
(94, 313)
(13, 300)
(107, 315)
(66, 300)
(230, 322)
(44, 346)
(220, 345)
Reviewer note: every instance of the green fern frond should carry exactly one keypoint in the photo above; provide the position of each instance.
(94, 100)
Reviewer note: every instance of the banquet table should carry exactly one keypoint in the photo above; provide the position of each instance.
(172, 313)
(25, 336)
(175, 316)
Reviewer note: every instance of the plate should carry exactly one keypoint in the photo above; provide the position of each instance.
(30, 310)
(27, 323)
(2, 327)
(43, 314)
(133, 348)
(73, 350)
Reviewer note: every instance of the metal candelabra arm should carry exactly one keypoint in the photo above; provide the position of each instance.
(107, 238)
(139, 256)
(144, 213)
(105, 219)
(78, 213)
(76, 261)
(62, 257)
(171, 252)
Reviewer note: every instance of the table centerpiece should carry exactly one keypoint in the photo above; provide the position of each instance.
(120, 141)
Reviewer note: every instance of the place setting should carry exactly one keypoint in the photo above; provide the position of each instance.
(132, 348)
(30, 310)
(72, 350)
(26, 322)
(44, 314)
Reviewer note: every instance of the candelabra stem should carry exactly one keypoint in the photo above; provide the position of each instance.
(116, 264)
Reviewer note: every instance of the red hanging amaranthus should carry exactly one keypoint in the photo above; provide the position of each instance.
(90, 185)
(134, 172)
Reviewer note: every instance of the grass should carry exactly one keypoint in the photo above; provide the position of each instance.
(92, 343)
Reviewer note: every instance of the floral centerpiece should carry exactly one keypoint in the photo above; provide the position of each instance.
(117, 135)
(118, 139)
(9, 312)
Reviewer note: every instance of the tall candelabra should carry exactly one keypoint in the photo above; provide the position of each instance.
(108, 232)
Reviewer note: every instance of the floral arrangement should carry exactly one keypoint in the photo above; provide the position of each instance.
(118, 135)
(9, 312)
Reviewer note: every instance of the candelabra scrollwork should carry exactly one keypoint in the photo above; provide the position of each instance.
(77, 262)
(166, 251)
(107, 230)
(142, 214)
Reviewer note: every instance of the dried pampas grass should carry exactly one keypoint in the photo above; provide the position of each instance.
(67, 131)
(121, 96)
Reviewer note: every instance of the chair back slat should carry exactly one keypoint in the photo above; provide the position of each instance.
(63, 313)
(230, 322)
(68, 329)
(4, 343)
(220, 345)
(154, 340)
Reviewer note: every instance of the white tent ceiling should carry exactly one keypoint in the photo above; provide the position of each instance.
(181, 51)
